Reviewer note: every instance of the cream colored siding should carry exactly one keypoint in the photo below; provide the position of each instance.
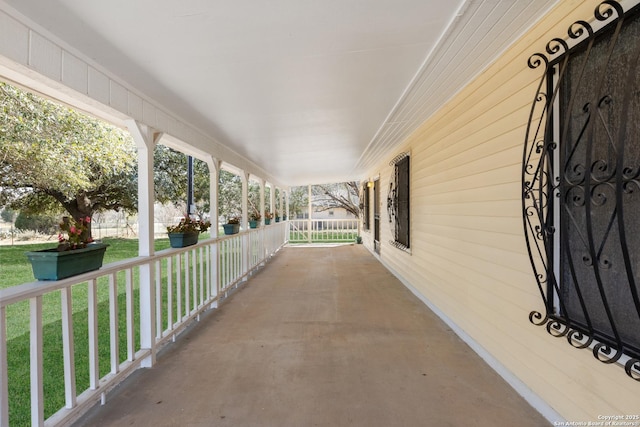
(468, 255)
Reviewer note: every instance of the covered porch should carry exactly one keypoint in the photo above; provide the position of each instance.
(428, 105)
(320, 336)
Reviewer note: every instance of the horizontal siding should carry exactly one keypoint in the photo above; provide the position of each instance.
(468, 254)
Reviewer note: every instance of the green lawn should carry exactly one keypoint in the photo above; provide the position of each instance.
(15, 269)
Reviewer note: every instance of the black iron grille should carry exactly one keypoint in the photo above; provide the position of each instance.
(581, 186)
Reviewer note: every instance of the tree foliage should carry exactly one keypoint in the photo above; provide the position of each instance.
(54, 159)
(171, 183)
(253, 194)
(343, 195)
(52, 156)
(298, 200)
(229, 195)
(7, 215)
(41, 223)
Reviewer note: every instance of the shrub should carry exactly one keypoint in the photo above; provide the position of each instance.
(42, 223)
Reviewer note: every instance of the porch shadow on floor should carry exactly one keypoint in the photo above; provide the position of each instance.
(319, 337)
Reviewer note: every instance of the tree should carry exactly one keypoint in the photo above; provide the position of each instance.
(230, 194)
(253, 193)
(325, 197)
(7, 215)
(330, 196)
(42, 223)
(52, 156)
(298, 199)
(55, 159)
(170, 179)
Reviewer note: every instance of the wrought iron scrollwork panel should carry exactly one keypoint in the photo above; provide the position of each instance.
(581, 188)
(398, 202)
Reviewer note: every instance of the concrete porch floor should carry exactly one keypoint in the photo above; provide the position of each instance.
(319, 337)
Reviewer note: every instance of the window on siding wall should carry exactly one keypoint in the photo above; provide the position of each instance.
(365, 207)
(584, 218)
(402, 221)
(398, 202)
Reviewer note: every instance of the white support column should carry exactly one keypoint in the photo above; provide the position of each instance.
(245, 199)
(146, 139)
(272, 200)
(214, 183)
(309, 223)
(262, 184)
(245, 222)
(286, 202)
(287, 230)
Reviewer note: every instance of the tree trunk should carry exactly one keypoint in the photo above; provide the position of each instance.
(80, 208)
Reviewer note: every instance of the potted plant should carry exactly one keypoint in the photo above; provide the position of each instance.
(267, 218)
(232, 226)
(277, 216)
(186, 232)
(75, 254)
(254, 219)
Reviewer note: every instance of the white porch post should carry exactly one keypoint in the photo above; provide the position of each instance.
(286, 201)
(146, 139)
(214, 181)
(245, 199)
(309, 223)
(245, 221)
(262, 184)
(286, 205)
(272, 200)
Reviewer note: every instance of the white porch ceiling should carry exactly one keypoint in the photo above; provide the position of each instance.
(311, 91)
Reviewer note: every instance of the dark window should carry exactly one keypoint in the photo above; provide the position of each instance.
(376, 216)
(402, 220)
(398, 202)
(365, 207)
(581, 189)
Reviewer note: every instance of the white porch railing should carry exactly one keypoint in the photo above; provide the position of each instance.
(322, 230)
(107, 314)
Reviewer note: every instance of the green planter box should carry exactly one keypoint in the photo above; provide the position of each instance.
(231, 228)
(253, 224)
(180, 240)
(49, 264)
(267, 221)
